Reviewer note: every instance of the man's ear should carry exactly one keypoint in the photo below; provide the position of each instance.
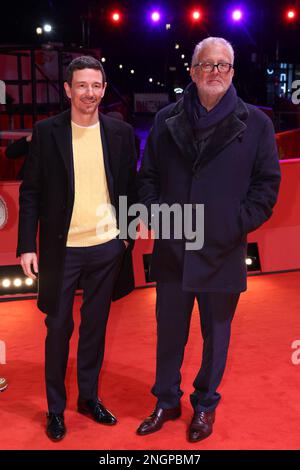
(104, 88)
(67, 89)
(192, 73)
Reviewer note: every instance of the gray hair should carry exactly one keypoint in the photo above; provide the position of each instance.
(209, 42)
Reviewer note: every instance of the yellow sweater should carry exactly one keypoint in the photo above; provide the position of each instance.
(93, 220)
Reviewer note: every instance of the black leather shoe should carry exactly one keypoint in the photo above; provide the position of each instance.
(97, 411)
(155, 421)
(201, 426)
(55, 429)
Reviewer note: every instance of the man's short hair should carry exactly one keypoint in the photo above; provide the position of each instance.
(210, 42)
(83, 62)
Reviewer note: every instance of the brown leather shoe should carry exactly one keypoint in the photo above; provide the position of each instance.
(201, 425)
(155, 421)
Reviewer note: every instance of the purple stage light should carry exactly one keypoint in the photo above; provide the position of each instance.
(155, 16)
(237, 14)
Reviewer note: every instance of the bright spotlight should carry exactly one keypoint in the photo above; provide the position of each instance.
(47, 28)
(155, 16)
(291, 14)
(17, 282)
(6, 283)
(28, 281)
(39, 30)
(196, 15)
(237, 15)
(115, 16)
(249, 261)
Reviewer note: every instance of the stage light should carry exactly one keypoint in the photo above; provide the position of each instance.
(168, 26)
(132, 71)
(150, 80)
(158, 83)
(252, 259)
(177, 46)
(155, 16)
(39, 30)
(47, 28)
(237, 15)
(187, 69)
(6, 283)
(28, 281)
(17, 282)
(120, 66)
(103, 59)
(182, 56)
(291, 14)
(196, 15)
(116, 17)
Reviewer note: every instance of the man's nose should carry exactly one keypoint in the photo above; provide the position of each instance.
(89, 91)
(215, 70)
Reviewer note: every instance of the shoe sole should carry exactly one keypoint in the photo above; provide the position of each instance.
(158, 429)
(88, 414)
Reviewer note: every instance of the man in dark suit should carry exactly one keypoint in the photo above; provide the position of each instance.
(213, 149)
(80, 163)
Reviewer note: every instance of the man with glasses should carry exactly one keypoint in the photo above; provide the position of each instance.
(209, 148)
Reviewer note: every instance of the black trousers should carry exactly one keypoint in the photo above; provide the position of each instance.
(97, 266)
(173, 312)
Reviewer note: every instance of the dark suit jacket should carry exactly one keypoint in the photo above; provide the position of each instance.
(47, 197)
(237, 179)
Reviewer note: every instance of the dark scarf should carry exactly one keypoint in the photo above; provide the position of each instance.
(202, 120)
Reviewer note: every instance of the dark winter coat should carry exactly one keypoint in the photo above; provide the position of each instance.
(237, 179)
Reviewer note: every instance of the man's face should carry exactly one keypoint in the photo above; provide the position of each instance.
(213, 84)
(86, 91)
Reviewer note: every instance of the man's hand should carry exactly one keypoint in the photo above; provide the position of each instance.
(126, 243)
(28, 259)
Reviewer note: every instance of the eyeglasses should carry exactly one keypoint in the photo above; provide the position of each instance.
(207, 67)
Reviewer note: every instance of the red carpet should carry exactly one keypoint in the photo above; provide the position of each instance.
(260, 408)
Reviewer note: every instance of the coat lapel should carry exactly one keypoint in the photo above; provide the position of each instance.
(182, 133)
(226, 132)
(112, 144)
(63, 137)
(229, 129)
